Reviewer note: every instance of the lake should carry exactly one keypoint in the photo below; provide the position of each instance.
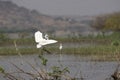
(78, 66)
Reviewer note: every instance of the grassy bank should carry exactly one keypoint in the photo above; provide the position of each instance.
(98, 52)
(12, 51)
(101, 39)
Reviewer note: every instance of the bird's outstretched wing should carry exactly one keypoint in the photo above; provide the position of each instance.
(38, 36)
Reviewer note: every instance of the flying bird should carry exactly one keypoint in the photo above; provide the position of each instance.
(41, 41)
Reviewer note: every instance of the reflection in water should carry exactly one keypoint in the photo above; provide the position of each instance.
(77, 65)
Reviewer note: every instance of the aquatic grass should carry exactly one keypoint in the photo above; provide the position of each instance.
(12, 51)
(109, 52)
(95, 50)
(99, 50)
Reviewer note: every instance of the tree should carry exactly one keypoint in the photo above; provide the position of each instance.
(99, 22)
(113, 22)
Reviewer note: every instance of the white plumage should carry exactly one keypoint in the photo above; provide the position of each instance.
(41, 41)
(60, 47)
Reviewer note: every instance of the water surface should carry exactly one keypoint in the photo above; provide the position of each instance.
(78, 66)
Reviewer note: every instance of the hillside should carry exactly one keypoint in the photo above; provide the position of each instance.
(19, 19)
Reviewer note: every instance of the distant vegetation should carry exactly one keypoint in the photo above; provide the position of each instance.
(113, 22)
(108, 22)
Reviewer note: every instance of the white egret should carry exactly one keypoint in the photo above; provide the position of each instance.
(41, 41)
(60, 47)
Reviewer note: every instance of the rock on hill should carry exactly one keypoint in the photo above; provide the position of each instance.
(19, 19)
